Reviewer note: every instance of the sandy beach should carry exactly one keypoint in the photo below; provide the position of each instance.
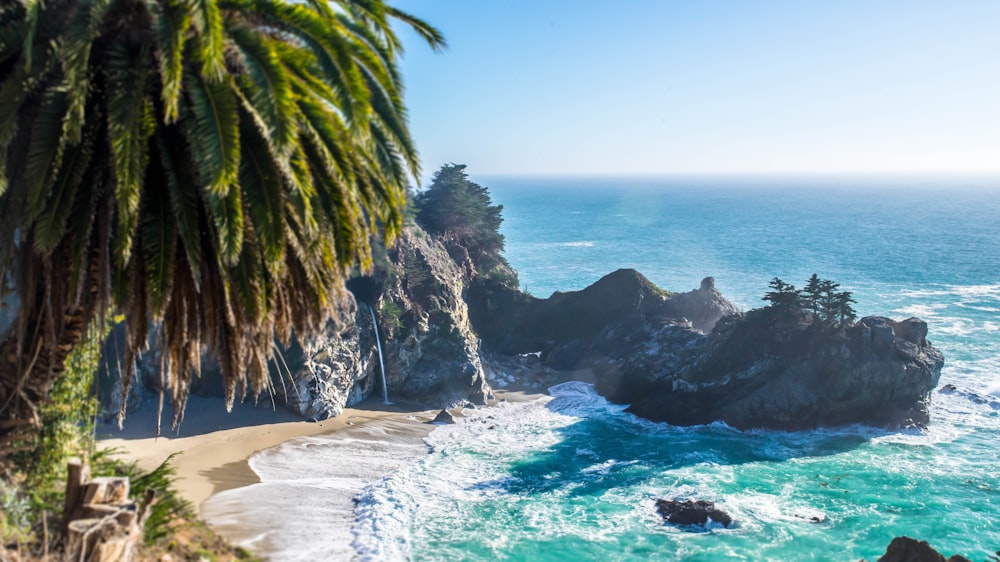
(214, 472)
(214, 445)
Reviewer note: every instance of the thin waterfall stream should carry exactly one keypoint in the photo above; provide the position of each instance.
(381, 362)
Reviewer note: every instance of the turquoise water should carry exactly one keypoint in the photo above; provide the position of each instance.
(573, 477)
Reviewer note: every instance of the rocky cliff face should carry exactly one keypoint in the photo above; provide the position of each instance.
(430, 352)
(771, 370)
(685, 358)
(333, 370)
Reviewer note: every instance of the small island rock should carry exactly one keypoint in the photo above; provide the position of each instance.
(688, 512)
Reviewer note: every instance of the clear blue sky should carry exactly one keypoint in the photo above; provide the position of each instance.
(667, 86)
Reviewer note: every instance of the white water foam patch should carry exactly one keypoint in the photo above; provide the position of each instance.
(452, 480)
(469, 472)
(967, 291)
(577, 244)
(303, 507)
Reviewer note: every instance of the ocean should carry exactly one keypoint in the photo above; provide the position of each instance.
(573, 477)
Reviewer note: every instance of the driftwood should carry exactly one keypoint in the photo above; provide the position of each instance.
(101, 523)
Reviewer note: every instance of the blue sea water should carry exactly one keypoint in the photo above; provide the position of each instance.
(572, 477)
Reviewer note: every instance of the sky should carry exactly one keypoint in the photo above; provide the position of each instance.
(659, 87)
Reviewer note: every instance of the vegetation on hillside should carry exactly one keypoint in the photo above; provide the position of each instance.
(462, 214)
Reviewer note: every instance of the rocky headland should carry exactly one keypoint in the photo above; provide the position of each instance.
(451, 319)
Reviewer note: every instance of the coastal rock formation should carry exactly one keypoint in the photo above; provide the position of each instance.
(572, 329)
(770, 370)
(688, 512)
(905, 549)
(702, 307)
(692, 358)
(334, 370)
(431, 350)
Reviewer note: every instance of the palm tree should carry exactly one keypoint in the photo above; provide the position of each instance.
(213, 166)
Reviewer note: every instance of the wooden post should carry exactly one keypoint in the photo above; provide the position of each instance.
(79, 472)
(101, 523)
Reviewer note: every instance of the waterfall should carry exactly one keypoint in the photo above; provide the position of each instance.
(381, 362)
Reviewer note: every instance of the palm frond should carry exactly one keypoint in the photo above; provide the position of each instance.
(170, 23)
(430, 34)
(212, 130)
(159, 241)
(76, 48)
(266, 86)
(130, 124)
(207, 20)
(45, 149)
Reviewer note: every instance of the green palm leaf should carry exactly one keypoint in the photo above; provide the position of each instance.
(215, 166)
(170, 24)
(130, 124)
(212, 129)
(159, 243)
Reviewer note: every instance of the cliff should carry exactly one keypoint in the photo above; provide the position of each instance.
(429, 349)
(768, 370)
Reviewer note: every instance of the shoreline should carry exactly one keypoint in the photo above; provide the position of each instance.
(213, 447)
(214, 472)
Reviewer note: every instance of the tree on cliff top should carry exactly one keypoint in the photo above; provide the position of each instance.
(461, 212)
(215, 166)
(820, 298)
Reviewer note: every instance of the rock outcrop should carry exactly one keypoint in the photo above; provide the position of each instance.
(771, 370)
(905, 549)
(571, 329)
(333, 370)
(430, 351)
(689, 512)
(692, 358)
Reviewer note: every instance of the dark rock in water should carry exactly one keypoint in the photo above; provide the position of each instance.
(444, 416)
(690, 512)
(905, 549)
(947, 389)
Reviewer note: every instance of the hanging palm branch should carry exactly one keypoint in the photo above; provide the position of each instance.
(215, 167)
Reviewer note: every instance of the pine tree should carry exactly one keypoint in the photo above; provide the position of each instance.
(462, 212)
(783, 297)
(811, 294)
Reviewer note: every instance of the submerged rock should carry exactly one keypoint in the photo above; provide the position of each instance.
(688, 512)
(905, 549)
